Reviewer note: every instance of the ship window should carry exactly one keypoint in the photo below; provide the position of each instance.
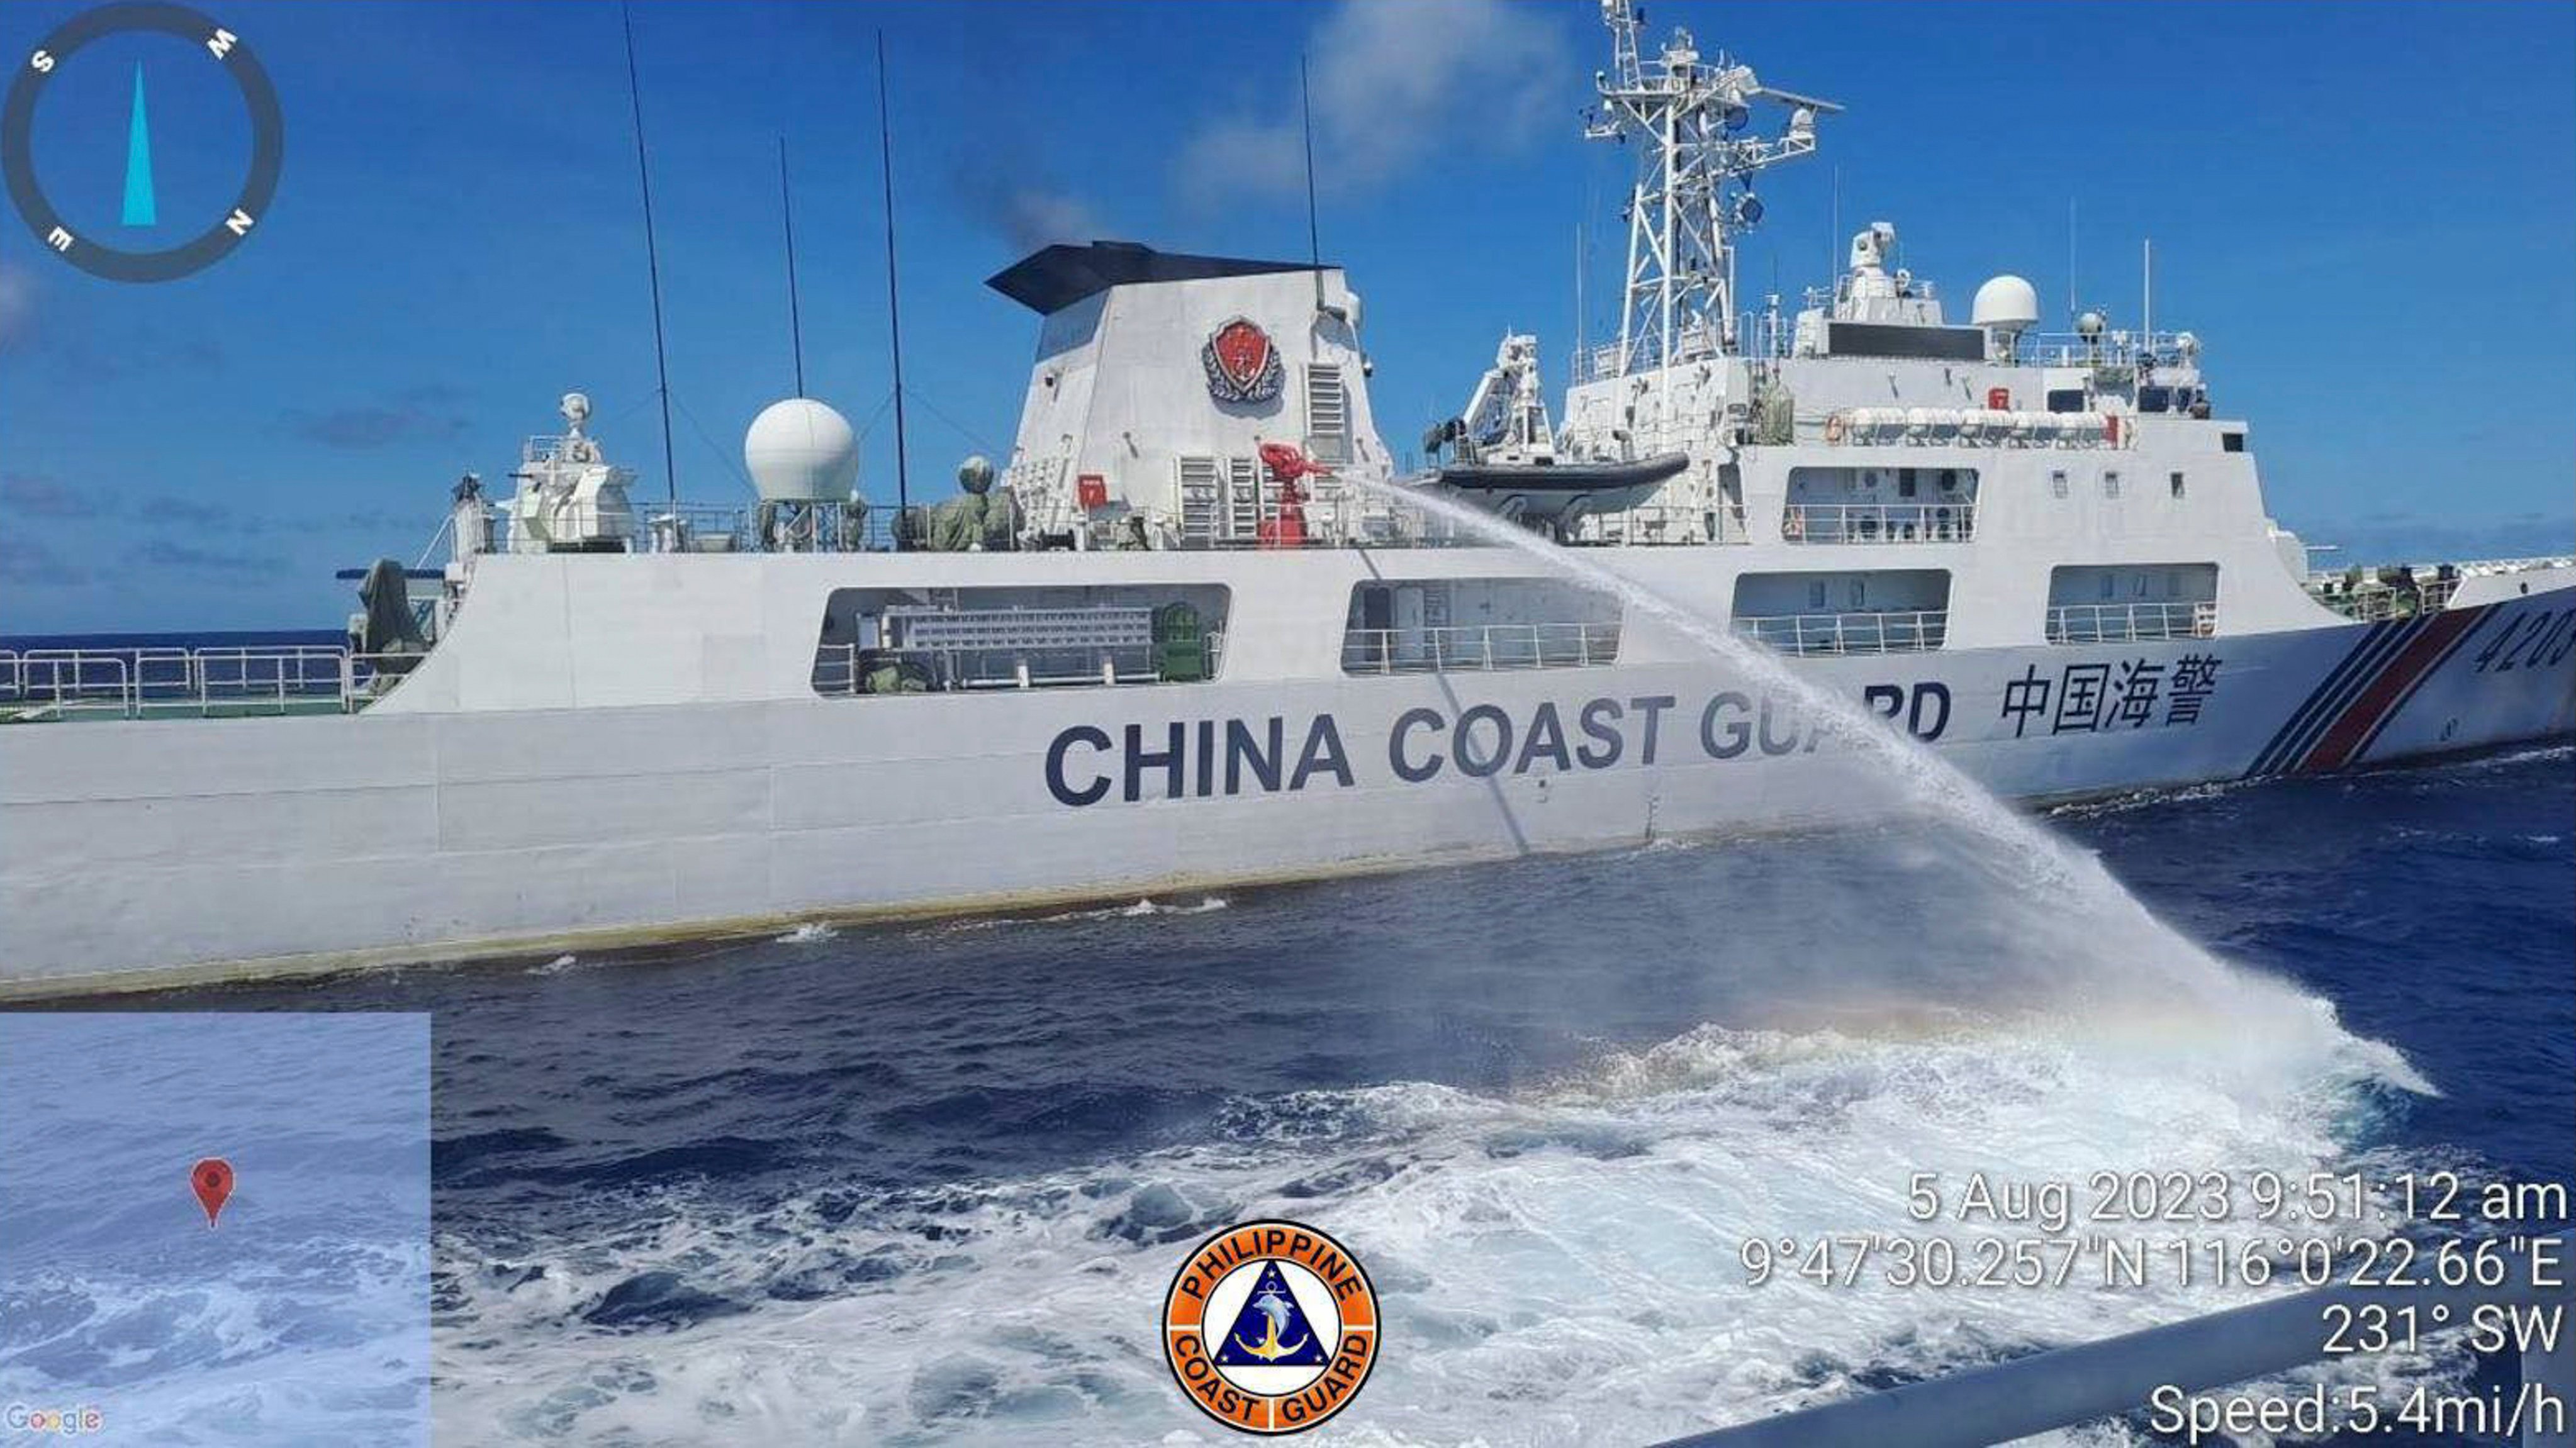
(2231, 442)
(1441, 625)
(1905, 482)
(1883, 610)
(2110, 485)
(2177, 484)
(958, 640)
(2066, 399)
(2155, 399)
(2057, 481)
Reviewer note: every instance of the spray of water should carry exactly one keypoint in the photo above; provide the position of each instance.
(2144, 975)
(1920, 776)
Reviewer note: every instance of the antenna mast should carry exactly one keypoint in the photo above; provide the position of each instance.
(1694, 188)
(787, 218)
(652, 261)
(894, 303)
(1306, 122)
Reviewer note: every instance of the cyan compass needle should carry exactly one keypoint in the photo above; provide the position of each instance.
(140, 209)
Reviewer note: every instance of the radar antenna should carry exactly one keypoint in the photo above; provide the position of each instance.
(1694, 191)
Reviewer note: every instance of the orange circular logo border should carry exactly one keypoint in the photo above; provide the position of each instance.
(1355, 1353)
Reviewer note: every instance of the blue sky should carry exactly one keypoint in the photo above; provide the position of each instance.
(2362, 209)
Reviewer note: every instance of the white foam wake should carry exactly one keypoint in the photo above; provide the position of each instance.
(1558, 1266)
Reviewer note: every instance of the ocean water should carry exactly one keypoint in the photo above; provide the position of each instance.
(301, 1316)
(926, 1183)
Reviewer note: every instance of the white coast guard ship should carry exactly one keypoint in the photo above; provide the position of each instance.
(1191, 632)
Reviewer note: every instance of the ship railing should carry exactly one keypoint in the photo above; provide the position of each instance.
(2112, 349)
(2373, 602)
(686, 527)
(1336, 520)
(1479, 647)
(1646, 352)
(2108, 623)
(139, 683)
(1878, 522)
(2372, 605)
(1655, 524)
(1894, 632)
(845, 670)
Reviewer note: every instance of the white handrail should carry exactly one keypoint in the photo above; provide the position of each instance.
(1479, 647)
(1894, 632)
(47, 684)
(2104, 623)
(1933, 522)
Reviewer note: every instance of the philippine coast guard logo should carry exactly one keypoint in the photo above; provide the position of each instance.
(1241, 364)
(1270, 1327)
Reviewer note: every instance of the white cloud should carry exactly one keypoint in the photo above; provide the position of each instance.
(1395, 84)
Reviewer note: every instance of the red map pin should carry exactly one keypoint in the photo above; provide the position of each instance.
(213, 1181)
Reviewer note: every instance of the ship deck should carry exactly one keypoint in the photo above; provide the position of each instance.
(46, 686)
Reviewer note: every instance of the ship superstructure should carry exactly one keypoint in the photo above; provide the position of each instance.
(1197, 628)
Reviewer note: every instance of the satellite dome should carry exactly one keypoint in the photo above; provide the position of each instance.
(2006, 303)
(2090, 325)
(975, 474)
(801, 451)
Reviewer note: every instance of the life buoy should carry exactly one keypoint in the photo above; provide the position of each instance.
(1834, 428)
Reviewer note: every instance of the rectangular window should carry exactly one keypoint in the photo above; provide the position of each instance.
(2177, 485)
(1880, 610)
(1868, 505)
(2231, 442)
(1442, 625)
(2114, 603)
(2057, 482)
(2110, 485)
(2066, 399)
(952, 640)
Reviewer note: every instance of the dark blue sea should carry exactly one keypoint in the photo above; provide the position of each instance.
(926, 1182)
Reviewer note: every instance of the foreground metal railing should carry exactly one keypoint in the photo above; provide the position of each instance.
(1913, 631)
(2116, 1376)
(2108, 623)
(50, 684)
(1478, 647)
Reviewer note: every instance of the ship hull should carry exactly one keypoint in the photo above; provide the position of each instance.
(147, 853)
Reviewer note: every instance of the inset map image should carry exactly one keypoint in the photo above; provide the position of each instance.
(215, 1228)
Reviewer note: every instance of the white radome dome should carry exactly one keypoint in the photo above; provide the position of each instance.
(801, 451)
(2006, 302)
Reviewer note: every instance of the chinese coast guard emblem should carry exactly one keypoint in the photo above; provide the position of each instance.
(1242, 365)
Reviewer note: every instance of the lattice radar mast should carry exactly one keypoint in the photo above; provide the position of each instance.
(1696, 160)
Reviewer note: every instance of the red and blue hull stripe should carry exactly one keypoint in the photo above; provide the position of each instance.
(2345, 714)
